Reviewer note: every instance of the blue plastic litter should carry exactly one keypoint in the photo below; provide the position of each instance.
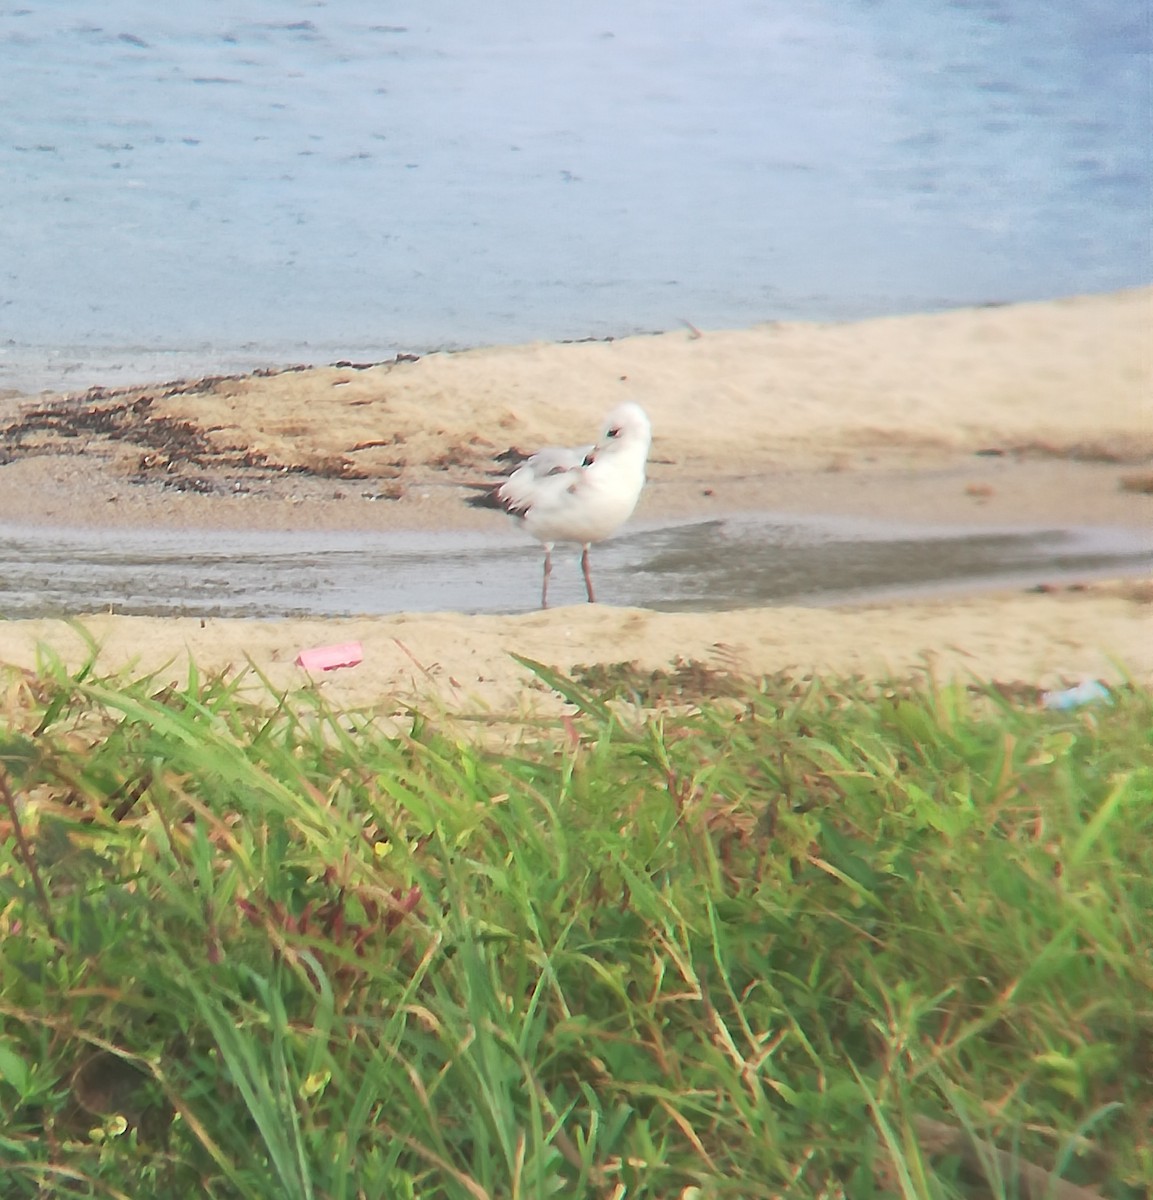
(1092, 691)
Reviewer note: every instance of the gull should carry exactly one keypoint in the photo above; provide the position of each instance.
(582, 494)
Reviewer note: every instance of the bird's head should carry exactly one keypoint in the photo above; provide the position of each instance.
(626, 430)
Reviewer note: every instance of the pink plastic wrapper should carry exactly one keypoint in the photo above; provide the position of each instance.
(329, 658)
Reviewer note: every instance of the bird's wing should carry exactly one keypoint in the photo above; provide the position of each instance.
(536, 478)
(554, 459)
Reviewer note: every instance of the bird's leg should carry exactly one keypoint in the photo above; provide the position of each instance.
(547, 573)
(588, 576)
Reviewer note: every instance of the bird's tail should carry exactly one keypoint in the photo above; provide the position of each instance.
(484, 497)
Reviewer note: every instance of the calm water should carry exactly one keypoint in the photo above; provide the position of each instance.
(697, 566)
(216, 186)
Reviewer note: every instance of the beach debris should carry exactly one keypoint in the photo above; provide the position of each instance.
(330, 658)
(1090, 691)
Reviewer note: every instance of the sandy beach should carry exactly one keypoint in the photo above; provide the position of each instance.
(980, 416)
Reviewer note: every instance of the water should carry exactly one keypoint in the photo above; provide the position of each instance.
(215, 187)
(697, 566)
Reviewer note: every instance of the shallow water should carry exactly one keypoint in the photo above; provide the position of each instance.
(200, 188)
(700, 566)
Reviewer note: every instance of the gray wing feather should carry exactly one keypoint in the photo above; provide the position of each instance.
(520, 490)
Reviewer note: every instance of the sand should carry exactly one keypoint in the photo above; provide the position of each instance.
(991, 415)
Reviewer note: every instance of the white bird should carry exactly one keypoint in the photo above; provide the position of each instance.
(579, 495)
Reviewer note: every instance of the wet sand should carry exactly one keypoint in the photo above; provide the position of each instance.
(991, 419)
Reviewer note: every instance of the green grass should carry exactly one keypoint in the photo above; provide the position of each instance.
(741, 946)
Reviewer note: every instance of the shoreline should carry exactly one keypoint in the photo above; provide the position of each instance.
(994, 417)
(1036, 412)
(42, 370)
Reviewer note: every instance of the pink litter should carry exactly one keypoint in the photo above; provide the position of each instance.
(329, 658)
